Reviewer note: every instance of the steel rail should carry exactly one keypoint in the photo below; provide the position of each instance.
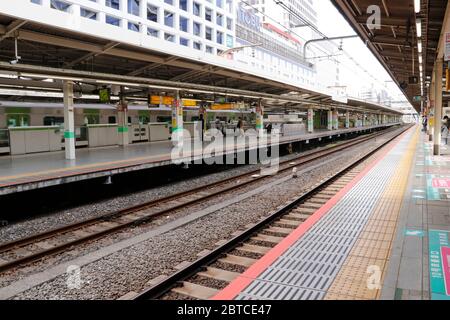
(303, 159)
(172, 281)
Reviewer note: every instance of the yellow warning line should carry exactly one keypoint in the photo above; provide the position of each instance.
(359, 278)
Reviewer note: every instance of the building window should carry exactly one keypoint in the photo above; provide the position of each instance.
(219, 19)
(197, 45)
(133, 26)
(153, 32)
(183, 5)
(152, 13)
(208, 14)
(196, 9)
(59, 5)
(197, 29)
(229, 24)
(168, 18)
(184, 42)
(230, 41)
(113, 4)
(219, 37)
(169, 37)
(209, 49)
(184, 24)
(169, 2)
(208, 33)
(219, 3)
(133, 7)
(229, 5)
(112, 20)
(85, 13)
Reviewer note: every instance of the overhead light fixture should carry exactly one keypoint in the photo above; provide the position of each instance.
(417, 6)
(419, 28)
(48, 76)
(421, 70)
(420, 59)
(419, 46)
(125, 84)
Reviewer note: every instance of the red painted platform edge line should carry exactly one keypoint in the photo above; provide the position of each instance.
(245, 279)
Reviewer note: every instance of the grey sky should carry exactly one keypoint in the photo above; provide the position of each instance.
(333, 24)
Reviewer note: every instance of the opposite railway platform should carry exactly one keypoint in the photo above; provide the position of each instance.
(386, 236)
(33, 171)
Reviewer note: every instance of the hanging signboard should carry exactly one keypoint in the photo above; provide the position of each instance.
(189, 103)
(226, 106)
(104, 95)
(161, 100)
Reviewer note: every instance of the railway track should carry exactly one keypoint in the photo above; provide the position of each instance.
(38, 246)
(205, 277)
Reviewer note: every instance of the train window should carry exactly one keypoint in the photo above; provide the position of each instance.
(163, 119)
(91, 119)
(53, 121)
(144, 119)
(18, 120)
(112, 119)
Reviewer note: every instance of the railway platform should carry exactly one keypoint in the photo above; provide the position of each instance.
(385, 235)
(33, 171)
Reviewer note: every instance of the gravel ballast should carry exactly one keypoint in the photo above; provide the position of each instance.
(130, 269)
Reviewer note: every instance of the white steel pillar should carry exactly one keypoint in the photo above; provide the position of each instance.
(364, 120)
(336, 119)
(177, 120)
(347, 119)
(69, 123)
(430, 127)
(330, 120)
(438, 107)
(310, 120)
(122, 128)
(260, 119)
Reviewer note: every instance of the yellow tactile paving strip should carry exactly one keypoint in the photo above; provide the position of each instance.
(372, 249)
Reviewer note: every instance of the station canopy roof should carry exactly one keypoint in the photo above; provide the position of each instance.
(395, 43)
(93, 62)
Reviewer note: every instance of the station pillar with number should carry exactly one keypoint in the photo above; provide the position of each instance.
(122, 129)
(310, 120)
(177, 120)
(438, 107)
(347, 119)
(260, 119)
(335, 119)
(69, 122)
(330, 120)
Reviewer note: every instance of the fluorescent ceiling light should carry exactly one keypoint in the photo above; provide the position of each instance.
(419, 28)
(47, 76)
(417, 6)
(118, 83)
(419, 46)
(420, 59)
